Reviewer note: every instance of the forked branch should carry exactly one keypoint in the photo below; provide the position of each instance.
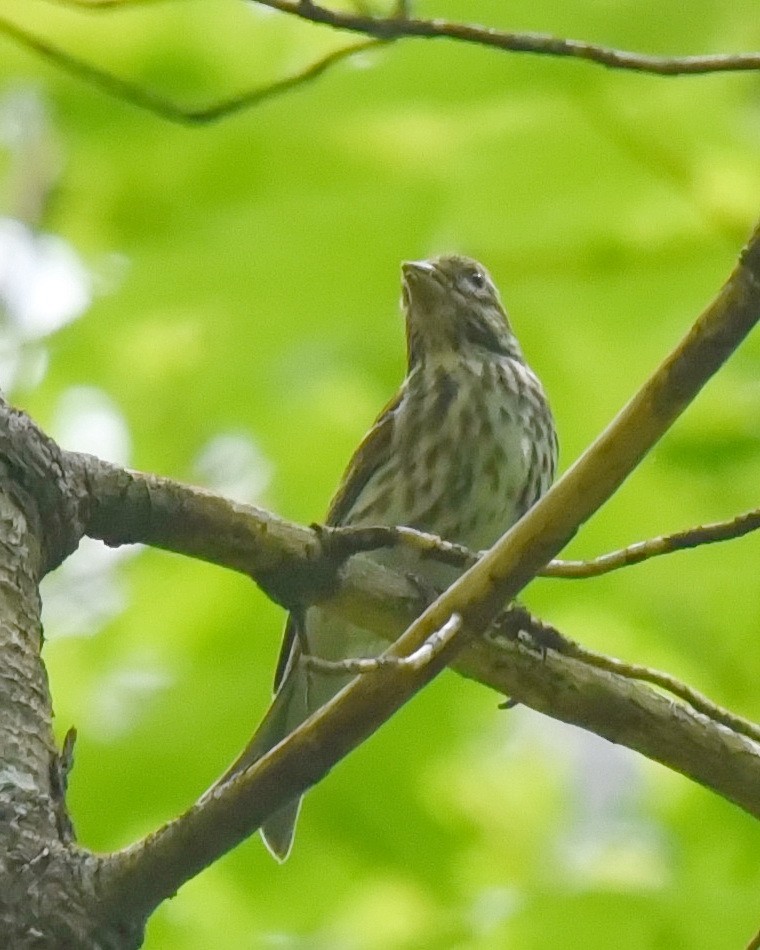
(380, 30)
(352, 540)
(165, 108)
(298, 565)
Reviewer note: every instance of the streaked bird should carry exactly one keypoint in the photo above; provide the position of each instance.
(462, 450)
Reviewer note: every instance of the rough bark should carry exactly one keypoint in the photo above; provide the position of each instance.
(48, 886)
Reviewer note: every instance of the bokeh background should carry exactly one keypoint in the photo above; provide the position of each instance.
(220, 305)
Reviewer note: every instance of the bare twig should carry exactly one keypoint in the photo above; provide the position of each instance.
(401, 26)
(415, 661)
(655, 547)
(345, 541)
(383, 30)
(160, 106)
(665, 681)
(395, 27)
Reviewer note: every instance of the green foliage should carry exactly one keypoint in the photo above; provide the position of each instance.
(247, 285)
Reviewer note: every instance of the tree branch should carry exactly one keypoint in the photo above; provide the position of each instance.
(345, 541)
(298, 566)
(698, 701)
(614, 707)
(382, 30)
(294, 564)
(618, 709)
(402, 26)
(287, 560)
(655, 547)
(398, 27)
(162, 107)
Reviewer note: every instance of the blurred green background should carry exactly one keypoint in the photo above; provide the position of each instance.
(220, 305)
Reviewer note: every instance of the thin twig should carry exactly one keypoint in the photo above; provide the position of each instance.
(342, 542)
(544, 636)
(354, 665)
(670, 684)
(415, 661)
(158, 105)
(383, 30)
(398, 27)
(655, 547)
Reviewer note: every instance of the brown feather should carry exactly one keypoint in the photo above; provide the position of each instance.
(373, 452)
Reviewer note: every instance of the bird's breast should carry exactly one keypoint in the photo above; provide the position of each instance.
(472, 448)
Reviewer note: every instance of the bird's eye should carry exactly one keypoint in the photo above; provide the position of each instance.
(476, 279)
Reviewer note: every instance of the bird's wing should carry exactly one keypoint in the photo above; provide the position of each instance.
(372, 454)
(290, 641)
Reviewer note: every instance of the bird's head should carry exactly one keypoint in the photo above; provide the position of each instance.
(453, 309)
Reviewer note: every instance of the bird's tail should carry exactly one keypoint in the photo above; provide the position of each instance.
(300, 693)
(288, 710)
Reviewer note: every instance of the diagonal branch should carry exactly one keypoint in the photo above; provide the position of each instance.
(635, 671)
(402, 26)
(655, 547)
(298, 565)
(398, 27)
(347, 540)
(158, 105)
(622, 711)
(381, 30)
(616, 708)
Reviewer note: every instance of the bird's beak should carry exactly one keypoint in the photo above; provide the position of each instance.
(417, 267)
(421, 284)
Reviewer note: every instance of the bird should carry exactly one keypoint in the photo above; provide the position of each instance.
(465, 447)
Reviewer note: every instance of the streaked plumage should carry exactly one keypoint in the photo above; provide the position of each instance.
(465, 447)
